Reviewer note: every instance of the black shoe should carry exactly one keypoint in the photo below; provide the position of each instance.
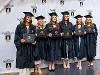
(53, 70)
(49, 69)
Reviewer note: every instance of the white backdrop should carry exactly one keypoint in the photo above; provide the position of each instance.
(9, 22)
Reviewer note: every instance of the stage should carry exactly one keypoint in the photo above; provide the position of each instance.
(94, 70)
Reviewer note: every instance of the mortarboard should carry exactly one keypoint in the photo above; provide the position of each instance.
(40, 17)
(28, 14)
(78, 16)
(53, 14)
(65, 13)
(88, 16)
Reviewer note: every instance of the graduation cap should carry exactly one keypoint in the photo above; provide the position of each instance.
(78, 16)
(65, 13)
(53, 14)
(40, 17)
(28, 14)
(88, 16)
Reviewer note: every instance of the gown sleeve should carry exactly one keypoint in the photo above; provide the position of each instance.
(17, 38)
(96, 32)
(47, 29)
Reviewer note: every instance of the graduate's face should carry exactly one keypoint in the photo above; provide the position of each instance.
(28, 19)
(41, 22)
(79, 20)
(54, 18)
(89, 20)
(66, 17)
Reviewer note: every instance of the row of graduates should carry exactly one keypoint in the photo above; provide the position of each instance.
(55, 41)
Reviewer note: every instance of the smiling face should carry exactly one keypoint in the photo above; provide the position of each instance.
(66, 17)
(28, 19)
(79, 21)
(89, 20)
(53, 18)
(41, 22)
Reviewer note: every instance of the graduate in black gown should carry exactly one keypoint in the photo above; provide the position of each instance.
(91, 39)
(25, 50)
(79, 41)
(40, 42)
(53, 32)
(67, 41)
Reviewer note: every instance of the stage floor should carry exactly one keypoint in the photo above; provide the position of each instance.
(94, 70)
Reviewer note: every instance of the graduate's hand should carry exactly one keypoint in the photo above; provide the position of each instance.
(34, 43)
(94, 30)
(84, 32)
(61, 34)
(50, 34)
(35, 34)
(22, 40)
(74, 32)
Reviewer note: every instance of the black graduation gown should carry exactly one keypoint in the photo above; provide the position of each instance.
(91, 40)
(67, 42)
(25, 51)
(41, 44)
(79, 43)
(54, 44)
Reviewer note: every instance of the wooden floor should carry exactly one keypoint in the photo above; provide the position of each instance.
(94, 70)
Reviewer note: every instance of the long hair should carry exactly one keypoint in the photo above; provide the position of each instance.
(67, 21)
(77, 23)
(52, 23)
(39, 26)
(24, 22)
(88, 23)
